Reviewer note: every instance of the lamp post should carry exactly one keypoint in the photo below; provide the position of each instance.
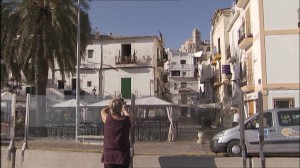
(78, 71)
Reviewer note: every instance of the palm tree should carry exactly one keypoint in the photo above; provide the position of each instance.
(47, 38)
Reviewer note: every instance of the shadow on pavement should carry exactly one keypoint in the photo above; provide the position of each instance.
(187, 161)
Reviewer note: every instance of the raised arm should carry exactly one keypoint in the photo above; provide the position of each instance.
(125, 112)
(104, 113)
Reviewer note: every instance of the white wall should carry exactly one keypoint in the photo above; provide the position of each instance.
(283, 94)
(282, 58)
(140, 80)
(285, 15)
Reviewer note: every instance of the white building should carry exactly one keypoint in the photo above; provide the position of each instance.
(116, 66)
(218, 60)
(265, 37)
(183, 79)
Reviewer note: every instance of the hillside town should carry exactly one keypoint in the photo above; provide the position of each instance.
(253, 48)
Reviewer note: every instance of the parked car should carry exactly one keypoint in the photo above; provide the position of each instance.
(281, 135)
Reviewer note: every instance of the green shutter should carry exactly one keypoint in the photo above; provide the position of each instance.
(126, 88)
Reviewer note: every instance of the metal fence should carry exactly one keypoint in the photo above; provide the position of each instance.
(60, 122)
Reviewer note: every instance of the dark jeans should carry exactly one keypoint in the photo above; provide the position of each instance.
(115, 166)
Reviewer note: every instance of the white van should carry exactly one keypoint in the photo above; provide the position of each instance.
(281, 135)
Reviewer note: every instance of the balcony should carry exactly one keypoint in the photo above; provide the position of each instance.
(125, 59)
(160, 63)
(218, 57)
(88, 64)
(182, 66)
(213, 62)
(248, 85)
(183, 89)
(245, 36)
(133, 61)
(242, 3)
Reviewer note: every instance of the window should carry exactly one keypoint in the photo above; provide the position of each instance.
(183, 84)
(60, 84)
(183, 73)
(126, 51)
(175, 86)
(288, 118)
(90, 53)
(254, 123)
(175, 73)
(89, 83)
(219, 46)
(30, 90)
(182, 61)
(283, 103)
(184, 99)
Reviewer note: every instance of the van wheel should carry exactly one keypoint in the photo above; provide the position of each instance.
(234, 149)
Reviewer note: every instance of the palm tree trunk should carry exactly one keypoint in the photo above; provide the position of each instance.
(40, 83)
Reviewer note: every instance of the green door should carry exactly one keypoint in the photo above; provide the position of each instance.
(126, 88)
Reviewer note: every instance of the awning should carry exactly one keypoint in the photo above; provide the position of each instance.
(198, 54)
(210, 106)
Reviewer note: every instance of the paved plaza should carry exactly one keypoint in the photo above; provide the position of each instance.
(59, 153)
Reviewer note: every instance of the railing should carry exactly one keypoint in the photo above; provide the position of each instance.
(180, 66)
(244, 31)
(67, 131)
(130, 59)
(160, 63)
(183, 89)
(88, 64)
(152, 130)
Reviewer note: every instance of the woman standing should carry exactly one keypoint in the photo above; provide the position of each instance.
(116, 147)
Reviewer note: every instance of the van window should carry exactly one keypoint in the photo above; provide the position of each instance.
(288, 118)
(254, 122)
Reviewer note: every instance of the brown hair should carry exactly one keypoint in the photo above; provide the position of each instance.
(115, 107)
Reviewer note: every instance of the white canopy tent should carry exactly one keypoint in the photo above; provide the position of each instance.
(172, 109)
(70, 103)
(20, 99)
(101, 103)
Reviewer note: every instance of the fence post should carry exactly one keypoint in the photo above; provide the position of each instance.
(261, 130)
(132, 129)
(242, 127)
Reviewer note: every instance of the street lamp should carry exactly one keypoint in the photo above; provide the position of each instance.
(13, 86)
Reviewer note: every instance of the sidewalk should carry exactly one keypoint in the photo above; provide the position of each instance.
(140, 148)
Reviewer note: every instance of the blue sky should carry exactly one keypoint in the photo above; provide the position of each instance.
(175, 19)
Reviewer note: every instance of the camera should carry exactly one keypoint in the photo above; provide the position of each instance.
(122, 100)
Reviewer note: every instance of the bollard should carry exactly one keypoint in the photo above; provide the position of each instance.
(12, 153)
(200, 136)
(24, 147)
